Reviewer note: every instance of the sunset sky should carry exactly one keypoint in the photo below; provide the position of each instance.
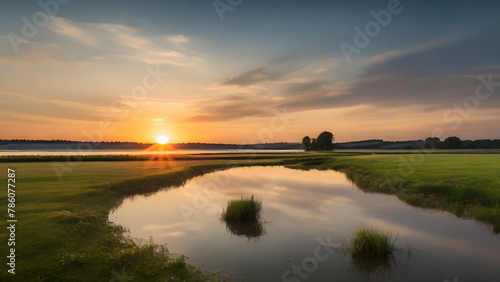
(67, 69)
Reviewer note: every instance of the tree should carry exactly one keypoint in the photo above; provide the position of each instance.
(432, 143)
(452, 143)
(306, 143)
(324, 141)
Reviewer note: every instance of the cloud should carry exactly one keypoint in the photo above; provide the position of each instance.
(258, 102)
(428, 77)
(253, 77)
(434, 75)
(288, 67)
(306, 89)
(32, 52)
(179, 39)
(71, 29)
(46, 108)
(232, 107)
(420, 47)
(117, 40)
(439, 75)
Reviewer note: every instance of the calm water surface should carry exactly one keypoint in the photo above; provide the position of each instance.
(303, 212)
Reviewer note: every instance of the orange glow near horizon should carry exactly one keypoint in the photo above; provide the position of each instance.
(164, 158)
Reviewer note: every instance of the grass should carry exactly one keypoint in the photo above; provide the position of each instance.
(242, 217)
(371, 244)
(63, 232)
(244, 210)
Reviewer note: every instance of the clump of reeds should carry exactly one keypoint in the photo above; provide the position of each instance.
(370, 243)
(242, 210)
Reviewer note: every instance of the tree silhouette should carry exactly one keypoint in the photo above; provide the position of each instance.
(306, 143)
(452, 143)
(322, 143)
(314, 145)
(432, 143)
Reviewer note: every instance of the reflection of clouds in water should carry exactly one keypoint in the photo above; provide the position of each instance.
(466, 246)
(308, 196)
(288, 190)
(300, 199)
(430, 227)
(172, 234)
(300, 205)
(173, 229)
(161, 226)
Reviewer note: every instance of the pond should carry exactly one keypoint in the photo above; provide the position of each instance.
(308, 217)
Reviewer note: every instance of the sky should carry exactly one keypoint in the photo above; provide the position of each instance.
(240, 71)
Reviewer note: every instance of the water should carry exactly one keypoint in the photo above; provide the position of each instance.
(58, 152)
(302, 212)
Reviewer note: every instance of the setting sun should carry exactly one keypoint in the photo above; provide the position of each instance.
(162, 139)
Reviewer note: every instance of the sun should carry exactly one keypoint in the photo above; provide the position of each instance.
(162, 139)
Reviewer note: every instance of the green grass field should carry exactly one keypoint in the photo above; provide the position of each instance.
(63, 231)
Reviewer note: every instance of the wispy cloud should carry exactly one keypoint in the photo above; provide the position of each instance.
(15, 102)
(252, 77)
(419, 47)
(232, 107)
(71, 29)
(33, 52)
(117, 40)
(427, 76)
(179, 38)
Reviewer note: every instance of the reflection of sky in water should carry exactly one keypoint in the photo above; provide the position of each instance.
(299, 207)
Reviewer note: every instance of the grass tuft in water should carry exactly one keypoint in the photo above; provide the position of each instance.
(242, 210)
(372, 244)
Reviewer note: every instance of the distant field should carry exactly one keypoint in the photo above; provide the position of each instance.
(63, 233)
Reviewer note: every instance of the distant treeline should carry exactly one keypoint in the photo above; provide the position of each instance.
(456, 143)
(430, 143)
(16, 144)
(64, 144)
(448, 143)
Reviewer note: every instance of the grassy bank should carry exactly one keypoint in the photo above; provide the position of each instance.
(63, 231)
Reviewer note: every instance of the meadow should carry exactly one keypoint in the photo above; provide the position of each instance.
(63, 232)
